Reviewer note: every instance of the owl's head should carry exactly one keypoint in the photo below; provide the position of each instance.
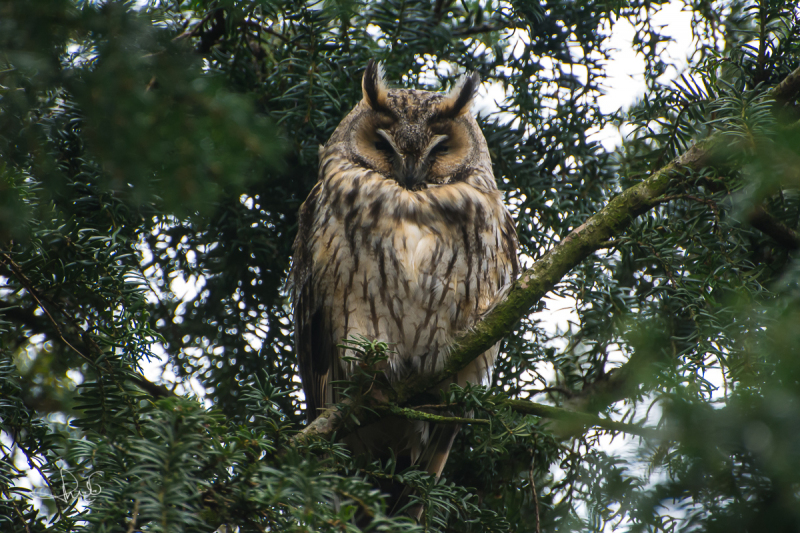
(416, 138)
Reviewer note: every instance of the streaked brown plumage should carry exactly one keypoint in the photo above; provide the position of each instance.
(404, 239)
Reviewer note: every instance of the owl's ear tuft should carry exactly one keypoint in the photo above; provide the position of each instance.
(374, 87)
(459, 99)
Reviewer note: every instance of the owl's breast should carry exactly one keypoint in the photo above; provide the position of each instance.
(410, 290)
(412, 269)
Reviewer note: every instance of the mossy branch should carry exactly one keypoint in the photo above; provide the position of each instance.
(592, 235)
(524, 295)
(619, 383)
(787, 90)
(413, 414)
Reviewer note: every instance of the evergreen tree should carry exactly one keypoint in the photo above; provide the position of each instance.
(153, 157)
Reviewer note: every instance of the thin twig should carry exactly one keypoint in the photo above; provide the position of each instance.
(535, 497)
(38, 468)
(25, 282)
(19, 513)
(134, 516)
(193, 31)
(763, 15)
(260, 27)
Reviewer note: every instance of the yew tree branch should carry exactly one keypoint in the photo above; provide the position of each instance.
(768, 225)
(524, 295)
(619, 383)
(787, 90)
(415, 414)
(591, 236)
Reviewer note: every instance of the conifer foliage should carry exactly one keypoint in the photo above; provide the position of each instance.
(153, 157)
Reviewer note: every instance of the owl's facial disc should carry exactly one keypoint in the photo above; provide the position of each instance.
(411, 167)
(415, 138)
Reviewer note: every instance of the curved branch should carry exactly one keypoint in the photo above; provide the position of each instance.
(523, 296)
(768, 225)
(786, 90)
(592, 235)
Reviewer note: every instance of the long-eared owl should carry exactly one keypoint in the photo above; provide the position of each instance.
(404, 239)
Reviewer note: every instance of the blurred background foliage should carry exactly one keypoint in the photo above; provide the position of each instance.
(154, 154)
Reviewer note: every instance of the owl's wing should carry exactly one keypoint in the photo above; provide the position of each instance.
(315, 352)
(510, 247)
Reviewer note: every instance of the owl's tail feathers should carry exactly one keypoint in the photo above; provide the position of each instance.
(432, 459)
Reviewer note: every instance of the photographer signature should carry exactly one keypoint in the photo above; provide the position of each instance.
(71, 488)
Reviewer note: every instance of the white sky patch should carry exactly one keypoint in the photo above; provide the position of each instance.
(626, 81)
(158, 369)
(489, 98)
(559, 315)
(625, 71)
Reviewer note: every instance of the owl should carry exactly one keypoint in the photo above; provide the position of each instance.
(404, 239)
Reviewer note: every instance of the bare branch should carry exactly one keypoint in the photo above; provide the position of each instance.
(766, 223)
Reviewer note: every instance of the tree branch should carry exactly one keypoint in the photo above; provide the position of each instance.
(785, 91)
(523, 296)
(579, 418)
(84, 341)
(768, 225)
(619, 383)
(414, 414)
(592, 235)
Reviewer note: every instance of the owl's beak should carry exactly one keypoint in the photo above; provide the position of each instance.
(409, 168)
(411, 172)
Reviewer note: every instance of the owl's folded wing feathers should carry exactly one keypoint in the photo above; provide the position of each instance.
(316, 352)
